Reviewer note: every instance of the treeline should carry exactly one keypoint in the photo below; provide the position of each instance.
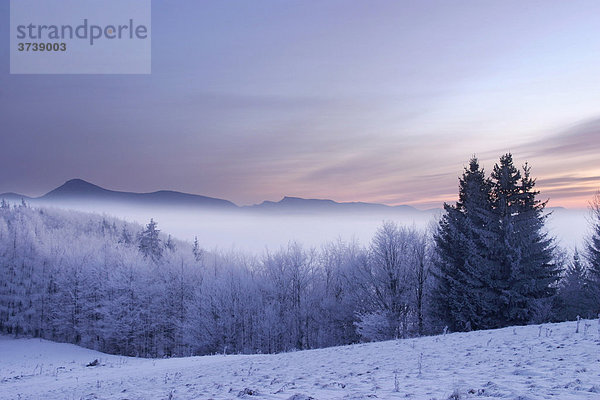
(126, 289)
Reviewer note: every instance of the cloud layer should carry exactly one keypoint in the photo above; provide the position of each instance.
(349, 101)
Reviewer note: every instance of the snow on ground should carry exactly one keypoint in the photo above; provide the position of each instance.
(550, 361)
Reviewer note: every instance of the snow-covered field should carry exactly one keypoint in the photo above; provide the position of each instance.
(532, 362)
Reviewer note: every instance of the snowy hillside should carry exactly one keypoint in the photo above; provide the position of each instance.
(532, 362)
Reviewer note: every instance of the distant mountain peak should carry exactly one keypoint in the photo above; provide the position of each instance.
(77, 181)
(79, 189)
(75, 187)
(80, 183)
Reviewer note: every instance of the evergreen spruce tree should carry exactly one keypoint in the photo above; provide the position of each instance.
(525, 274)
(170, 244)
(494, 260)
(574, 292)
(197, 251)
(462, 297)
(149, 242)
(593, 252)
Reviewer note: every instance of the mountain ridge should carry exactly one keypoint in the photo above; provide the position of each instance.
(289, 202)
(81, 190)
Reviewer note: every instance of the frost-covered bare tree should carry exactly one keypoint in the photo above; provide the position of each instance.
(394, 277)
(339, 292)
(421, 268)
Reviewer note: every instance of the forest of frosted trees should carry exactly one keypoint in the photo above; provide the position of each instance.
(127, 289)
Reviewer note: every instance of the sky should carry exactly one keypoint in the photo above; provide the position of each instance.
(379, 101)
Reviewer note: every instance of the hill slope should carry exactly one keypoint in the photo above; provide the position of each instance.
(532, 362)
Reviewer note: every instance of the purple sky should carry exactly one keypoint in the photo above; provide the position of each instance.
(381, 101)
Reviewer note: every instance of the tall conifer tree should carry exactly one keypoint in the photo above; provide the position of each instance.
(593, 251)
(462, 295)
(523, 250)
